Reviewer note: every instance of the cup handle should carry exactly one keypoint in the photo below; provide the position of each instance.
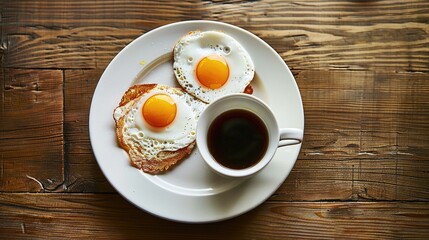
(290, 136)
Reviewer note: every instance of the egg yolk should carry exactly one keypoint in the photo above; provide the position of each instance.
(212, 71)
(159, 110)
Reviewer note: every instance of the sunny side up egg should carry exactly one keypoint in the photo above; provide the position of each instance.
(161, 119)
(212, 64)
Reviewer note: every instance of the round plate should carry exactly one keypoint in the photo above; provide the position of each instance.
(191, 192)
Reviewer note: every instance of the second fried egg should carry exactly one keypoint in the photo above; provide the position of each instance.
(212, 64)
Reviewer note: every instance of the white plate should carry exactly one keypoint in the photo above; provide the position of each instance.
(191, 192)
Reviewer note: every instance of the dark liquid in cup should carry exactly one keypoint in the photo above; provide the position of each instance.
(237, 139)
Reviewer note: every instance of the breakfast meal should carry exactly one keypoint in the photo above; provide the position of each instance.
(211, 64)
(155, 125)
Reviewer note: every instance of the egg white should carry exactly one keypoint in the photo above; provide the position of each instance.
(195, 46)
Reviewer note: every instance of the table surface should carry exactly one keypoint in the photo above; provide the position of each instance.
(362, 68)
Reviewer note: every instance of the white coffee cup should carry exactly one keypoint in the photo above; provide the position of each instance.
(277, 137)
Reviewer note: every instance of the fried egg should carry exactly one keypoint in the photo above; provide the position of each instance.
(161, 119)
(212, 64)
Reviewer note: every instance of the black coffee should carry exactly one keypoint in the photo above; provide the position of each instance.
(237, 139)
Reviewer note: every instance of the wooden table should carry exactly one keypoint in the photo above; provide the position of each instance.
(363, 71)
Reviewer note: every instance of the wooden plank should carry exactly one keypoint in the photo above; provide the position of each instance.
(318, 180)
(349, 35)
(31, 140)
(365, 100)
(380, 162)
(364, 180)
(378, 165)
(106, 215)
(82, 171)
(377, 122)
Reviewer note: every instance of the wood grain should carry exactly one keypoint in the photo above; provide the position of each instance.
(349, 35)
(376, 122)
(68, 215)
(82, 171)
(31, 140)
(373, 100)
(362, 68)
(384, 160)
